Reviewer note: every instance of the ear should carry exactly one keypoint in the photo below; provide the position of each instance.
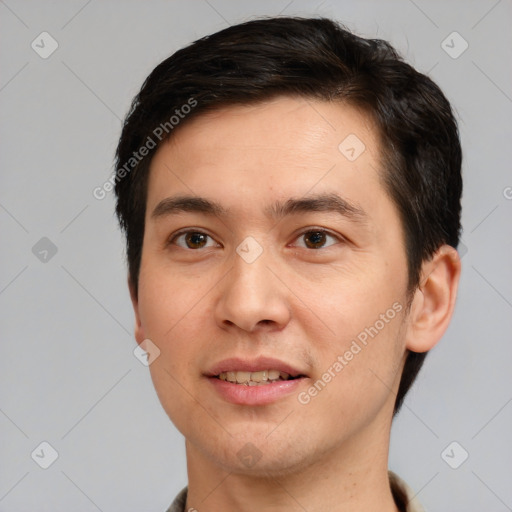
(434, 300)
(139, 330)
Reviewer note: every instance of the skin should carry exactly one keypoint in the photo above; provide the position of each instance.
(300, 304)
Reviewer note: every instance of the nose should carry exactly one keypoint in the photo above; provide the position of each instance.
(252, 298)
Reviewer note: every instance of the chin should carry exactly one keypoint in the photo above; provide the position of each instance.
(259, 456)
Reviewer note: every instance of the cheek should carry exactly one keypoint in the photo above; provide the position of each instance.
(359, 376)
(363, 337)
(348, 300)
(358, 336)
(167, 300)
(174, 317)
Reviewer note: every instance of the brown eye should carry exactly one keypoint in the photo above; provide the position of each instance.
(315, 239)
(194, 240)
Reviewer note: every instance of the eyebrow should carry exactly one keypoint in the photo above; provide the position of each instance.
(318, 203)
(193, 204)
(279, 210)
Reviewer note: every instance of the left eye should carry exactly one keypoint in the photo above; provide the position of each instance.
(317, 239)
(194, 240)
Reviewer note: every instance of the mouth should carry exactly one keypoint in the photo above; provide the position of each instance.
(254, 382)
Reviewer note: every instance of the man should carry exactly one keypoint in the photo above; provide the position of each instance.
(290, 195)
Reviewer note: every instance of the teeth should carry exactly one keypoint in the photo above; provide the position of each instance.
(242, 377)
(261, 377)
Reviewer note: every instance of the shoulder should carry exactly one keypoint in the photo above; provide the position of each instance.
(404, 496)
(179, 503)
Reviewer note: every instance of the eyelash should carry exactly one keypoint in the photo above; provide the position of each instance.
(338, 238)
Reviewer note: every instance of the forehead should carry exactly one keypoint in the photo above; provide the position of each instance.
(305, 126)
(284, 147)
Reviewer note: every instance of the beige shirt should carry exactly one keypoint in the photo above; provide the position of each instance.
(404, 497)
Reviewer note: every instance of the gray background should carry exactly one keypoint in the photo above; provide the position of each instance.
(68, 373)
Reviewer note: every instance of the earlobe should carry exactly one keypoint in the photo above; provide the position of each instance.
(139, 330)
(434, 300)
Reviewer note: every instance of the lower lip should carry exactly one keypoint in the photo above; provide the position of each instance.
(255, 395)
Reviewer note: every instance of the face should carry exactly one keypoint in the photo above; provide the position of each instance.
(271, 251)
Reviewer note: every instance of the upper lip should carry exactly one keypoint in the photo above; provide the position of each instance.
(253, 365)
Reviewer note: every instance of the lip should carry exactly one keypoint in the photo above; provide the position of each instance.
(255, 395)
(253, 365)
(240, 394)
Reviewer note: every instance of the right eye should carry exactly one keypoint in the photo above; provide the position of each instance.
(193, 240)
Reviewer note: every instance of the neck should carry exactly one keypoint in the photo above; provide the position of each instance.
(352, 477)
